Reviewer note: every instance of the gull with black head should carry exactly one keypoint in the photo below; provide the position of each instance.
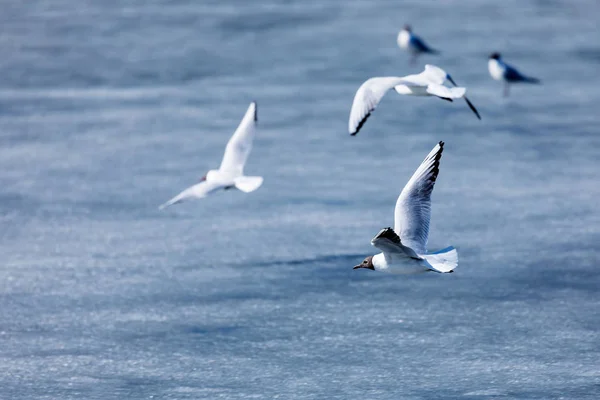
(412, 43)
(404, 248)
(501, 71)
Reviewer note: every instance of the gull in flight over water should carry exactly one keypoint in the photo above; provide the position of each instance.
(404, 248)
(231, 172)
(501, 71)
(430, 82)
(410, 42)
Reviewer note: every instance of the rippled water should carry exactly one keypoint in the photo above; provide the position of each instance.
(109, 108)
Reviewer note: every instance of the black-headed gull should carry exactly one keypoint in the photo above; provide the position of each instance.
(410, 42)
(430, 82)
(231, 172)
(404, 248)
(501, 71)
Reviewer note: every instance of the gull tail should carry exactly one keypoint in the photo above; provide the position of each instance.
(442, 261)
(248, 184)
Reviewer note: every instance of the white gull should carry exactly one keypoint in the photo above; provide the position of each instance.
(404, 248)
(430, 82)
(231, 172)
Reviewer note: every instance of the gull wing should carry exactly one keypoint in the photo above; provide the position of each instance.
(239, 146)
(197, 191)
(366, 99)
(512, 74)
(420, 45)
(430, 75)
(390, 244)
(471, 106)
(446, 93)
(413, 207)
(434, 74)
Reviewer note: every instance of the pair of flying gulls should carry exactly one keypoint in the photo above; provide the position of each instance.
(498, 69)
(403, 249)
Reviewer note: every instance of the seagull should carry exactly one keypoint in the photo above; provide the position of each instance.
(501, 71)
(231, 172)
(413, 44)
(404, 248)
(430, 82)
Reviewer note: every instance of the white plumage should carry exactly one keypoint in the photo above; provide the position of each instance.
(231, 172)
(404, 248)
(430, 82)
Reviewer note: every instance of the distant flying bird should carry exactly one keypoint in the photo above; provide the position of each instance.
(501, 71)
(430, 82)
(404, 248)
(231, 172)
(412, 43)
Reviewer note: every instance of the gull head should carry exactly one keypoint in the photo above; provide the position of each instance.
(495, 56)
(210, 175)
(367, 263)
(407, 28)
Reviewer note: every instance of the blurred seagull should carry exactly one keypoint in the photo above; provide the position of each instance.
(413, 44)
(231, 172)
(501, 71)
(430, 82)
(404, 248)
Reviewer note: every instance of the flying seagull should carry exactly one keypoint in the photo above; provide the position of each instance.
(404, 248)
(412, 43)
(501, 71)
(430, 82)
(231, 172)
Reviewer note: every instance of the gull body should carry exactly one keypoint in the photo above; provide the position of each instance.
(231, 172)
(404, 248)
(412, 43)
(501, 71)
(430, 82)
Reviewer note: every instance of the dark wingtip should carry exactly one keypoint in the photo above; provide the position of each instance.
(388, 233)
(451, 80)
(360, 124)
(441, 143)
(255, 110)
(472, 107)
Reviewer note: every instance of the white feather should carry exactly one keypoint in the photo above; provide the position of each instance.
(413, 207)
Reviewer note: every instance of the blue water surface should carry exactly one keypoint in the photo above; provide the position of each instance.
(109, 108)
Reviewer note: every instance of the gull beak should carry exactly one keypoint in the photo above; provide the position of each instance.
(358, 266)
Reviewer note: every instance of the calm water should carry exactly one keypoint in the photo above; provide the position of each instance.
(109, 108)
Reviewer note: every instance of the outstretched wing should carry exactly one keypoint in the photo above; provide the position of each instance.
(366, 99)
(413, 207)
(471, 106)
(197, 191)
(430, 75)
(434, 74)
(446, 93)
(239, 146)
(390, 244)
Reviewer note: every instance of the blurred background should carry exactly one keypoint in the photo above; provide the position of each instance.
(109, 108)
